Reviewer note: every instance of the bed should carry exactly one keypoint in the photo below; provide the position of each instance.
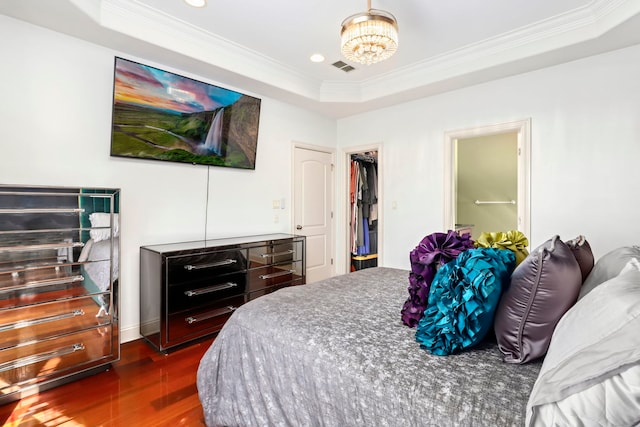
(563, 348)
(335, 353)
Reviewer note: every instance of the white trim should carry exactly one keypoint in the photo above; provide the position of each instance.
(523, 130)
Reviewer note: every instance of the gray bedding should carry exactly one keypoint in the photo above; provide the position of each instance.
(335, 353)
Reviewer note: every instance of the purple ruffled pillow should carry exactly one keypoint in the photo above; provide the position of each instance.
(434, 251)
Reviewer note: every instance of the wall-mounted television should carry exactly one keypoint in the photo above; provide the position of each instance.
(160, 115)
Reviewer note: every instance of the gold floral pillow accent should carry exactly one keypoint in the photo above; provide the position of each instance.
(512, 240)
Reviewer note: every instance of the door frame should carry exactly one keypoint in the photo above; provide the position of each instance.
(347, 152)
(523, 130)
(322, 149)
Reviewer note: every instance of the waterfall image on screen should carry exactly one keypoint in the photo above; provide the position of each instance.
(160, 115)
(213, 142)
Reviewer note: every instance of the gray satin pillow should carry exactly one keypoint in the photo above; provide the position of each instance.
(542, 288)
(583, 253)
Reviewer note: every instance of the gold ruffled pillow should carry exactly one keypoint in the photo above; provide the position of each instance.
(513, 240)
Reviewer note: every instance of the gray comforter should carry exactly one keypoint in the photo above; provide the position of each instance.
(335, 353)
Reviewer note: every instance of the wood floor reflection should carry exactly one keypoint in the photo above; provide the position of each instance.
(144, 388)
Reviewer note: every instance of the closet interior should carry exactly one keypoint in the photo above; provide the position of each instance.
(364, 210)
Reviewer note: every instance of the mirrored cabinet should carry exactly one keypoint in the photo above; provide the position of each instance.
(59, 268)
(188, 290)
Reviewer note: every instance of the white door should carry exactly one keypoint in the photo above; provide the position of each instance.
(313, 206)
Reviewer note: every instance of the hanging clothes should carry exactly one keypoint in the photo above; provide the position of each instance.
(363, 190)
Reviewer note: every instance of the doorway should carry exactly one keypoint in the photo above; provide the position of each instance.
(487, 178)
(313, 190)
(364, 216)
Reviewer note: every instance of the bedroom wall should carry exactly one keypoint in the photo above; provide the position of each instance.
(584, 152)
(55, 105)
(56, 111)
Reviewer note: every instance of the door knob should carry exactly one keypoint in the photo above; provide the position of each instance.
(298, 227)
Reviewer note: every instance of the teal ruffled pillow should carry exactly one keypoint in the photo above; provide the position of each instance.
(463, 298)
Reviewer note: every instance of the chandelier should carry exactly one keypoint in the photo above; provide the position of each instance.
(369, 37)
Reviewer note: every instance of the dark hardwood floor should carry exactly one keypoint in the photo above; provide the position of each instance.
(144, 388)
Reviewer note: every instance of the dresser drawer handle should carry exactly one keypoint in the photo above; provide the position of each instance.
(210, 314)
(42, 246)
(35, 358)
(30, 322)
(272, 254)
(210, 289)
(41, 283)
(278, 274)
(190, 267)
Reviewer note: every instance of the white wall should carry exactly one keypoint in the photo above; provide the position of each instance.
(55, 105)
(585, 147)
(55, 110)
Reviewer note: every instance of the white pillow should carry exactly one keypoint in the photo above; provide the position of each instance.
(601, 401)
(593, 357)
(633, 264)
(608, 266)
(100, 219)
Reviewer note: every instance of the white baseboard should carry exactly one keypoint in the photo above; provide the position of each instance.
(131, 333)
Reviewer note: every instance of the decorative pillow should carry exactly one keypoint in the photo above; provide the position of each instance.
(582, 251)
(462, 300)
(543, 287)
(414, 306)
(99, 219)
(609, 266)
(433, 251)
(592, 369)
(513, 240)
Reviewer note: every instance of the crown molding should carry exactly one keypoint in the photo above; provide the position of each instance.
(155, 27)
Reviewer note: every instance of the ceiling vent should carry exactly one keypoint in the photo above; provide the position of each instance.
(343, 66)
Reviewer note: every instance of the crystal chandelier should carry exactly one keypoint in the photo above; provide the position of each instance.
(370, 36)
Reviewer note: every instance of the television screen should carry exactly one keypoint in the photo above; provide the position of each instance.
(163, 116)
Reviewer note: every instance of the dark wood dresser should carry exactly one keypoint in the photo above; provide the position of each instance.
(188, 290)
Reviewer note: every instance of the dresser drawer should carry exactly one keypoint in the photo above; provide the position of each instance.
(272, 275)
(196, 294)
(38, 247)
(273, 288)
(49, 359)
(33, 280)
(275, 254)
(29, 289)
(24, 325)
(196, 267)
(187, 324)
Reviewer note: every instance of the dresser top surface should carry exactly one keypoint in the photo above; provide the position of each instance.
(219, 243)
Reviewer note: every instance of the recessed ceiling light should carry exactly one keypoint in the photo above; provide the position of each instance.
(196, 3)
(316, 57)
